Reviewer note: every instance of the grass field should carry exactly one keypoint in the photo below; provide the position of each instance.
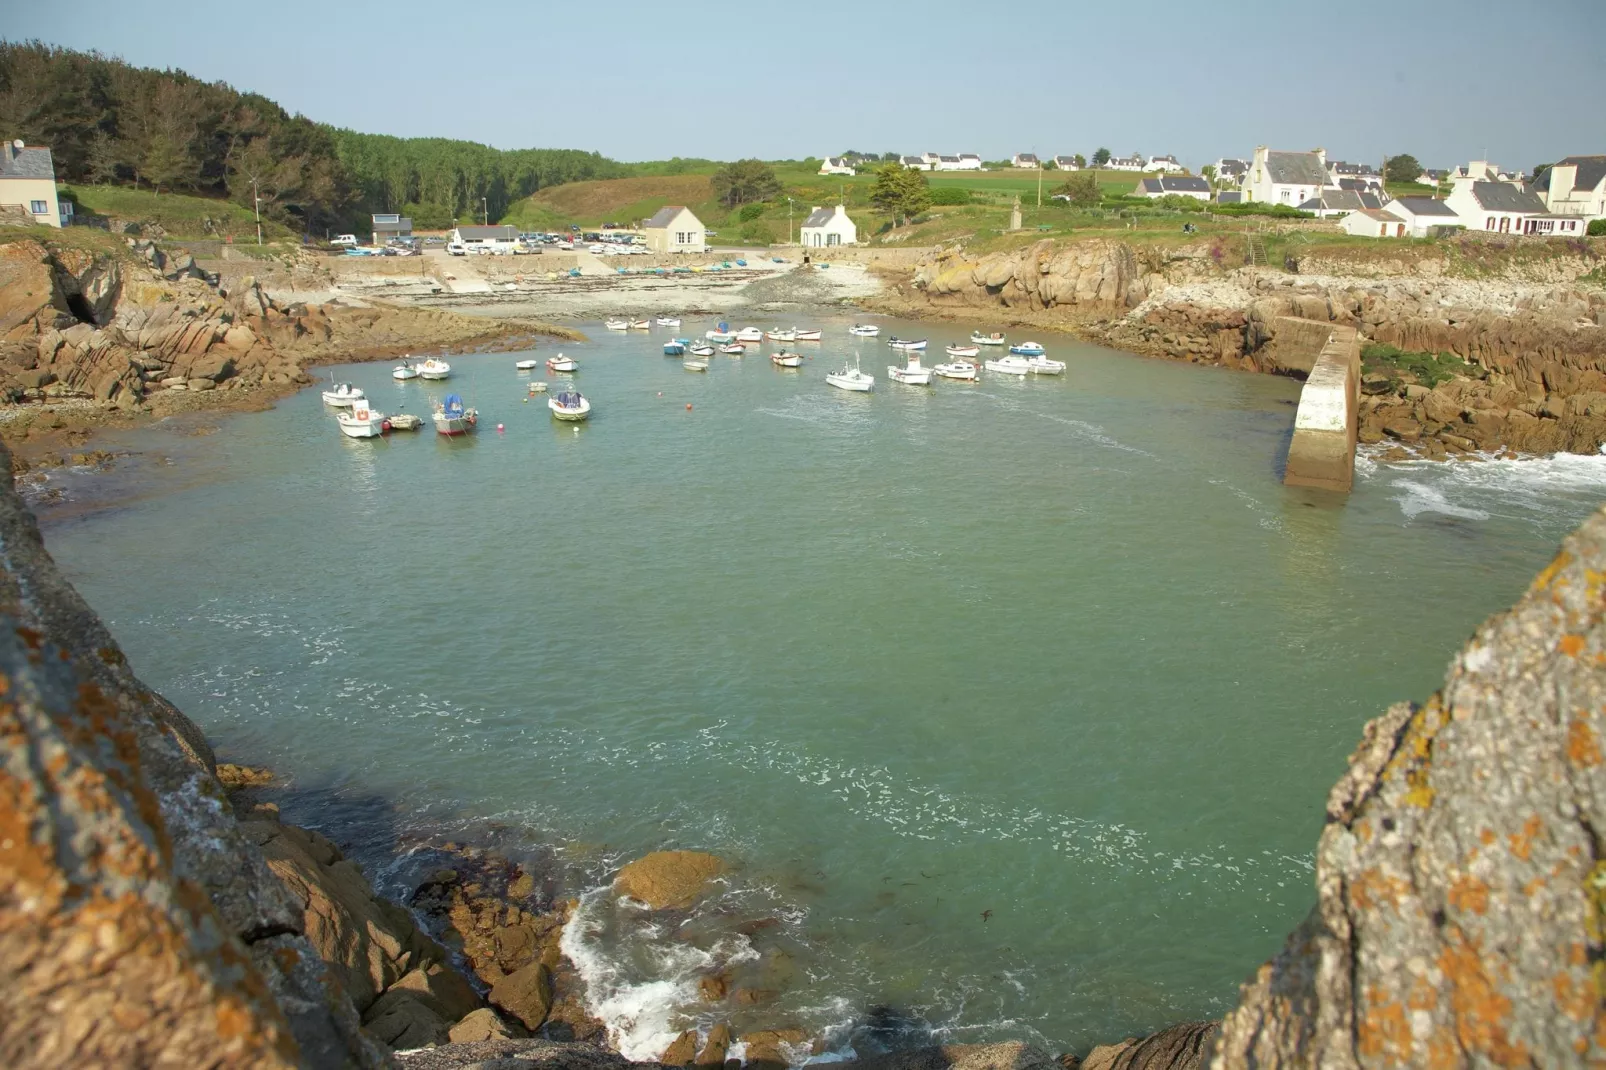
(181, 215)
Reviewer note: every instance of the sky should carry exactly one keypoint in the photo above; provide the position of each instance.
(1444, 80)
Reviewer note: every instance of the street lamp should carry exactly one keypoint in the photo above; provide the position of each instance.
(789, 221)
(486, 208)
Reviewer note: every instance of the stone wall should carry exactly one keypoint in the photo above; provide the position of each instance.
(1322, 451)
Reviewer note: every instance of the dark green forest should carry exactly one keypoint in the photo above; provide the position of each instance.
(108, 122)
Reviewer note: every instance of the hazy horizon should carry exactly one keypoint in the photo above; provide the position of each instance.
(705, 81)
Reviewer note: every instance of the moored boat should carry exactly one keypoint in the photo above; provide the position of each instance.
(675, 347)
(526, 365)
(569, 405)
(452, 418)
(1011, 365)
(640, 325)
(962, 351)
(957, 369)
(537, 387)
(405, 421)
(994, 339)
(617, 325)
(694, 364)
(749, 334)
(342, 395)
(1042, 365)
(910, 344)
(776, 334)
(669, 321)
(864, 330)
(1027, 349)
(720, 336)
(359, 421)
(852, 378)
(911, 374)
(561, 363)
(702, 349)
(783, 359)
(434, 369)
(809, 336)
(404, 370)
(733, 349)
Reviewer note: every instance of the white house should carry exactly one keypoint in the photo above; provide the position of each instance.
(931, 159)
(1067, 163)
(1229, 171)
(1432, 176)
(829, 227)
(1575, 186)
(1422, 214)
(1338, 170)
(492, 239)
(674, 229)
(1506, 207)
(1179, 185)
(390, 226)
(969, 161)
(28, 185)
(1374, 223)
(1290, 178)
(1135, 162)
(1337, 202)
(1025, 159)
(836, 165)
(915, 163)
(1168, 164)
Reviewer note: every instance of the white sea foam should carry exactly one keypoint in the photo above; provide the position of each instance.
(1535, 489)
(1416, 498)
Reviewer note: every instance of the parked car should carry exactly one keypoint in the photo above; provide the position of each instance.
(456, 248)
(348, 241)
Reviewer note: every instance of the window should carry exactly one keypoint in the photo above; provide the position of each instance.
(833, 239)
(682, 237)
(1285, 197)
(39, 207)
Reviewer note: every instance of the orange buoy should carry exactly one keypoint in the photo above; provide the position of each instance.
(688, 406)
(498, 428)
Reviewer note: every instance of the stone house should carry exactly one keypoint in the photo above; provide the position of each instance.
(828, 228)
(28, 185)
(1173, 185)
(1575, 186)
(1290, 178)
(674, 229)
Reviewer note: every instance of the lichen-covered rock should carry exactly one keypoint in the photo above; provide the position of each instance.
(669, 880)
(1459, 915)
(1182, 1047)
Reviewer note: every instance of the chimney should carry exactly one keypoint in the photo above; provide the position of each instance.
(14, 149)
(1321, 156)
(1563, 177)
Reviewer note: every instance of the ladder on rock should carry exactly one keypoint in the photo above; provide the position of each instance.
(1257, 250)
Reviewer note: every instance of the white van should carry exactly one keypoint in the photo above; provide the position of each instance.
(456, 248)
(349, 241)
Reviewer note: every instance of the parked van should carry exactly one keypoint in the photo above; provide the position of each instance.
(349, 241)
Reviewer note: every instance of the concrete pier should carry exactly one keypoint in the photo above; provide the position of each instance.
(1322, 452)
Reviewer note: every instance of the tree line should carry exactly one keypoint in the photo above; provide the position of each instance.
(106, 121)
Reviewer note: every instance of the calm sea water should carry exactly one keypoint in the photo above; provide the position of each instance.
(1015, 705)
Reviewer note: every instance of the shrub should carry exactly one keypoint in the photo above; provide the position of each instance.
(1429, 369)
(751, 212)
(950, 195)
(1597, 228)
(757, 233)
(1277, 211)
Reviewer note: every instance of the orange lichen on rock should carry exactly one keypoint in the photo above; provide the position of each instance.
(1482, 1012)
(1571, 645)
(1381, 1029)
(1522, 842)
(1583, 748)
(1470, 894)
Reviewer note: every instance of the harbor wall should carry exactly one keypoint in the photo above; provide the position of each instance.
(1322, 451)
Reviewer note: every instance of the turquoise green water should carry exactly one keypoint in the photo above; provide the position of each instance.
(1015, 704)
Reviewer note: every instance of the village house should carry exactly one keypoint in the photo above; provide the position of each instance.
(1374, 223)
(1337, 202)
(932, 159)
(390, 227)
(1424, 216)
(28, 185)
(1135, 162)
(837, 165)
(1067, 163)
(1432, 176)
(969, 161)
(1338, 171)
(1025, 159)
(946, 163)
(1503, 207)
(1575, 186)
(915, 163)
(492, 239)
(1168, 185)
(674, 229)
(1289, 178)
(1169, 164)
(1359, 185)
(829, 227)
(1230, 171)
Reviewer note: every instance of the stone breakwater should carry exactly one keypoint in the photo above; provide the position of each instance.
(1534, 340)
(155, 910)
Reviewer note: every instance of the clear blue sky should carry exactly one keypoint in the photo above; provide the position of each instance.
(1445, 80)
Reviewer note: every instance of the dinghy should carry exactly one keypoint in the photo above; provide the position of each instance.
(809, 336)
(404, 370)
(1042, 365)
(864, 330)
(668, 321)
(1010, 365)
(962, 351)
(342, 395)
(910, 344)
(733, 349)
(994, 339)
(675, 347)
(526, 365)
(783, 359)
(434, 369)
(617, 325)
(561, 363)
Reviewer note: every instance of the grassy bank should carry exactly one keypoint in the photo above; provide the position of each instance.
(180, 215)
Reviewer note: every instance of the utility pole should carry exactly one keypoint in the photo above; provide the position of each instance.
(256, 200)
(486, 208)
(1039, 177)
(789, 221)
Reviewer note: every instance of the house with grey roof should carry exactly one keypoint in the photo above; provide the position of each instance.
(1432, 176)
(674, 229)
(1169, 164)
(28, 186)
(1374, 223)
(390, 227)
(1134, 162)
(1025, 159)
(1329, 203)
(1173, 185)
(827, 228)
(837, 165)
(1230, 196)
(1575, 186)
(915, 163)
(1338, 170)
(1425, 217)
(1067, 163)
(1230, 169)
(1291, 178)
(1496, 207)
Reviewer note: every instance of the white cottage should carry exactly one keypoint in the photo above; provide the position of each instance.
(1575, 186)
(1025, 159)
(674, 229)
(1374, 223)
(1423, 214)
(28, 185)
(1167, 164)
(837, 165)
(1067, 163)
(1290, 178)
(1487, 204)
(827, 228)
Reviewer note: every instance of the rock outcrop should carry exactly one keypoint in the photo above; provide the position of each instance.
(1459, 915)
(669, 880)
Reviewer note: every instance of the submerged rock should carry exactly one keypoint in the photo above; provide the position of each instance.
(669, 880)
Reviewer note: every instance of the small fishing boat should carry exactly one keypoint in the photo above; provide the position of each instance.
(1042, 365)
(702, 349)
(404, 370)
(962, 351)
(694, 364)
(526, 365)
(733, 349)
(1008, 365)
(864, 330)
(720, 336)
(957, 369)
(783, 359)
(569, 405)
(561, 363)
(809, 336)
(852, 378)
(617, 325)
(434, 369)
(910, 344)
(912, 374)
(669, 321)
(675, 347)
(451, 418)
(640, 325)
(405, 421)
(1027, 349)
(342, 395)
(359, 421)
(537, 387)
(749, 334)
(994, 339)
(775, 334)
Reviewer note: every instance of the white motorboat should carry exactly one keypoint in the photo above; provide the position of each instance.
(342, 395)
(912, 374)
(675, 347)
(694, 364)
(537, 387)
(702, 349)
(668, 321)
(864, 330)
(617, 325)
(404, 370)
(720, 336)
(749, 334)
(778, 335)
(405, 421)
(1027, 349)
(640, 325)
(359, 421)
(452, 418)
(783, 359)
(1010, 365)
(561, 363)
(1042, 365)
(434, 369)
(733, 349)
(994, 339)
(569, 405)
(957, 369)
(526, 365)
(962, 351)
(910, 344)
(852, 378)
(809, 336)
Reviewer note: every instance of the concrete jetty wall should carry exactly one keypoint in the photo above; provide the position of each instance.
(1322, 452)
